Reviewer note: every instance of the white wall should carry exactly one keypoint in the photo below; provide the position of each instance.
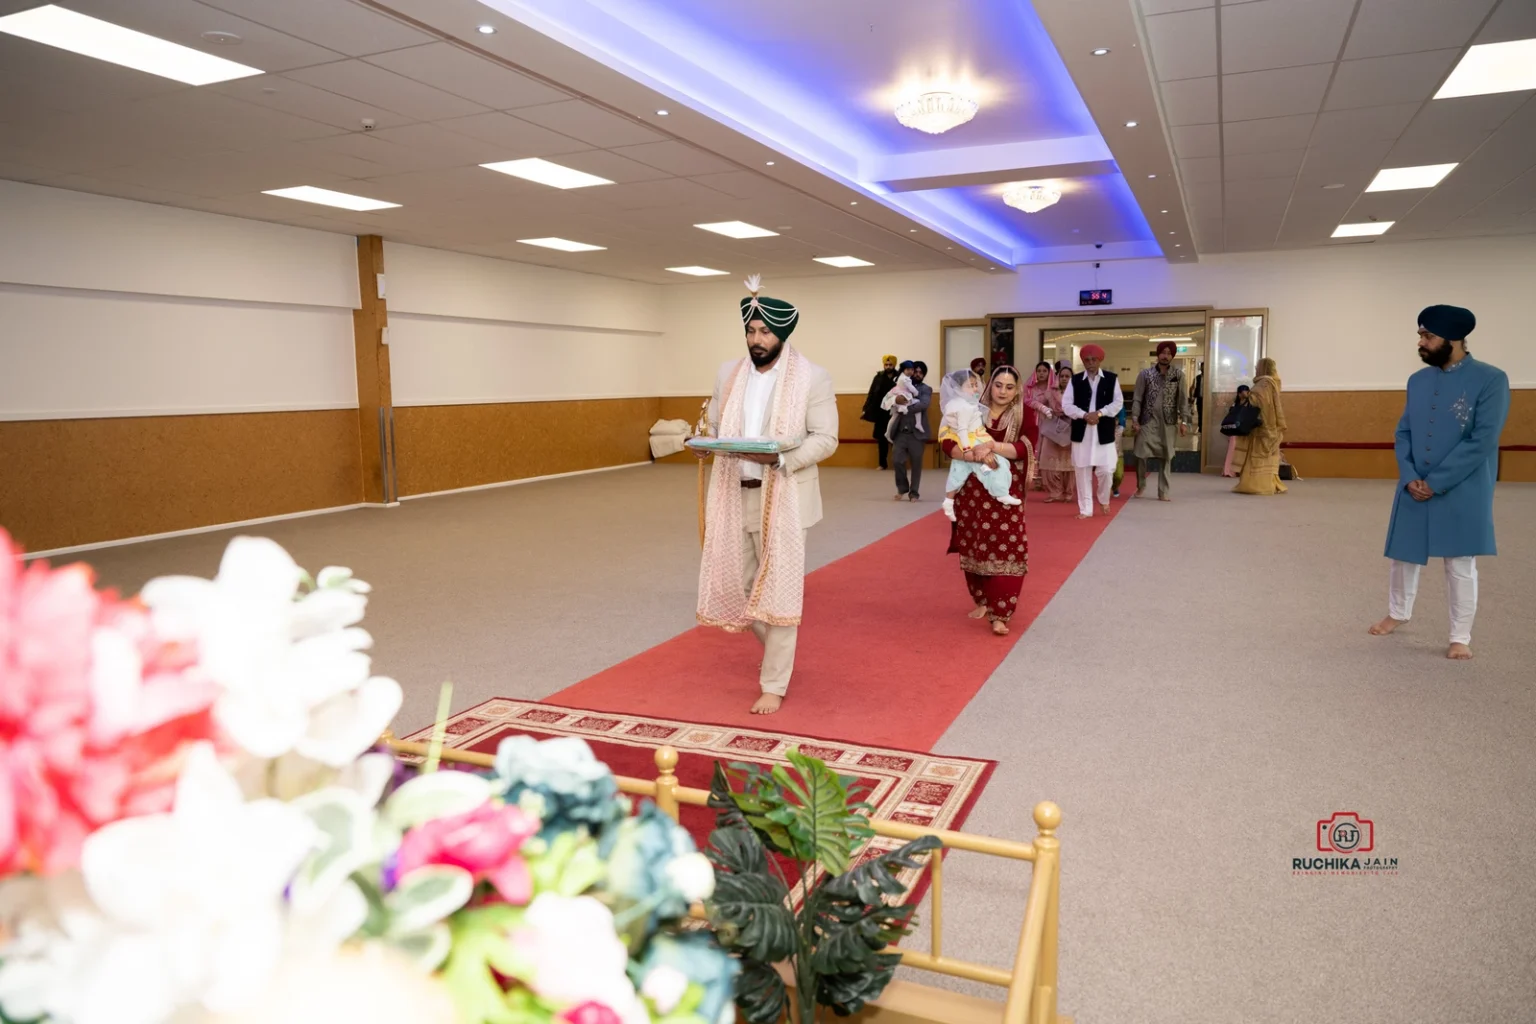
(470, 329)
(118, 308)
(1340, 318)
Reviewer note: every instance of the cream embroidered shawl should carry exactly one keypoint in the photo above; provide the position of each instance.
(777, 591)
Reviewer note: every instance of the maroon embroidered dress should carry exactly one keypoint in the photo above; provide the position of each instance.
(990, 538)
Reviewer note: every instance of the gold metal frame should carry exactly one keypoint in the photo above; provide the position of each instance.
(1030, 984)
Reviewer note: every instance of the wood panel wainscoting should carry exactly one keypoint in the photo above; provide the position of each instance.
(1349, 434)
(84, 481)
(446, 447)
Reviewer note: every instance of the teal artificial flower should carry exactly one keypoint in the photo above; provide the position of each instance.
(650, 859)
(562, 778)
(710, 970)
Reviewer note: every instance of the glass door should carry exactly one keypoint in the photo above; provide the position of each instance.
(960, 341)
(1235, 344)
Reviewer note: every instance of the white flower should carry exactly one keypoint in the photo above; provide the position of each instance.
(184, 908)
(577, 956)
(665, 987)
(292, 673)
(371, 983)
(693, 875)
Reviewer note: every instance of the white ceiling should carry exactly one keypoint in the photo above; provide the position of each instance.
(441, 109)
(1263, 103)
(1269, 101)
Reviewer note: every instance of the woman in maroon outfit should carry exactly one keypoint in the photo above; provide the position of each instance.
(989, 537)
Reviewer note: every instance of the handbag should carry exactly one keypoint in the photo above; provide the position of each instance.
(1241, 420)
(1057, 429)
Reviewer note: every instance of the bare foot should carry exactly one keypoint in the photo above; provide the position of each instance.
(767, 704)
(1163, 497)
(999, 628)
(1459, 652)
(1081, 516)
(979, 612)
(1105, 508)
(1136, 495)
(1386, 626)
(900, 497)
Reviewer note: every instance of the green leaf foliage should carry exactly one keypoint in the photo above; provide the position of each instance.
(750, 916)
(854, 921)
(760, 993)
(848, 993)
(426, 896)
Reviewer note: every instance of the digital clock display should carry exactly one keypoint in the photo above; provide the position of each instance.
(1106, 297)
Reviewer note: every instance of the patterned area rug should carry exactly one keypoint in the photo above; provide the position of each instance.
(922, 789)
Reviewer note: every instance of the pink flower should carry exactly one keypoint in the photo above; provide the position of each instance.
(94, 712)
(483, 842)
(590, 1012)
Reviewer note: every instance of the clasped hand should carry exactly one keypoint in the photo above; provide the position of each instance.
(1091, 418)
(1420, 491)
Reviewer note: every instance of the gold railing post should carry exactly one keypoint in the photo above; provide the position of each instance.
(1048, 859)
(666, 782)
(936, 912)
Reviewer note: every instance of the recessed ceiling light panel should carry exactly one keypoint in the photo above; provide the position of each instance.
(563, 244)
(92, 37)
(698, 271)
(1374, 227)
(737, 229)
(1493, 67)
(844, 262)
(1394, 179)
(544, 172)
(326, 197)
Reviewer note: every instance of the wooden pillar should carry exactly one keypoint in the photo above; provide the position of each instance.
(375, 403)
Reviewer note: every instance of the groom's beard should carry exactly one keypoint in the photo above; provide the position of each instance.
(763, 356)
(1437, 357)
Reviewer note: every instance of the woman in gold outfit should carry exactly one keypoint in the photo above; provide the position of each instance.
(1261, 471)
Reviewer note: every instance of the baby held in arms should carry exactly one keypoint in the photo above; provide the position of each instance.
(904, 389)
(964, 424)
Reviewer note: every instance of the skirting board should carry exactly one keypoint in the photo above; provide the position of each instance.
(215, 527)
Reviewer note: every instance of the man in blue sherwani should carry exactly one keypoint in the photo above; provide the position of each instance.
(1448, 460)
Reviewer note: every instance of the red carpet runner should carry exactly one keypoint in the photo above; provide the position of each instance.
(886, 654)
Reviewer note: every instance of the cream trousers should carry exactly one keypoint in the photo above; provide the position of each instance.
(778, 641)
(1460, 594)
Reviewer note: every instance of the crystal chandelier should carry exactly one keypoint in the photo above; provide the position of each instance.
(1029, 198)
(935, 112)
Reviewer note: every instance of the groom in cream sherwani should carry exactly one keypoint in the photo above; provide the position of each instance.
(752, 575)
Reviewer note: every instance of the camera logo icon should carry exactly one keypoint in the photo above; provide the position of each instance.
(1346, 832)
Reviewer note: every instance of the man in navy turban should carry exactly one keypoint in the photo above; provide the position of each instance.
(1448, 461)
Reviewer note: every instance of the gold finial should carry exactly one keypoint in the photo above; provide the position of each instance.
(1047, 817)
(666, 759)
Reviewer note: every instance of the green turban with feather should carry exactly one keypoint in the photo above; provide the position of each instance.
(780, 316)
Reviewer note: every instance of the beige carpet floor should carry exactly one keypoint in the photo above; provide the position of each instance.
(1198, 695)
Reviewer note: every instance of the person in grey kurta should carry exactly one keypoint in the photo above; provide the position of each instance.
(1448, 461)
(1159, 416)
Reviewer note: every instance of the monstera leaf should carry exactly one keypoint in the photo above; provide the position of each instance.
(807, 813)
(760, 993)
(853, 920)
(876, 878)
(748, 908)
(848, 993)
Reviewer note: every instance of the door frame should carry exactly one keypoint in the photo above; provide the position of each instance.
(1209, 461)
(937, 459)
